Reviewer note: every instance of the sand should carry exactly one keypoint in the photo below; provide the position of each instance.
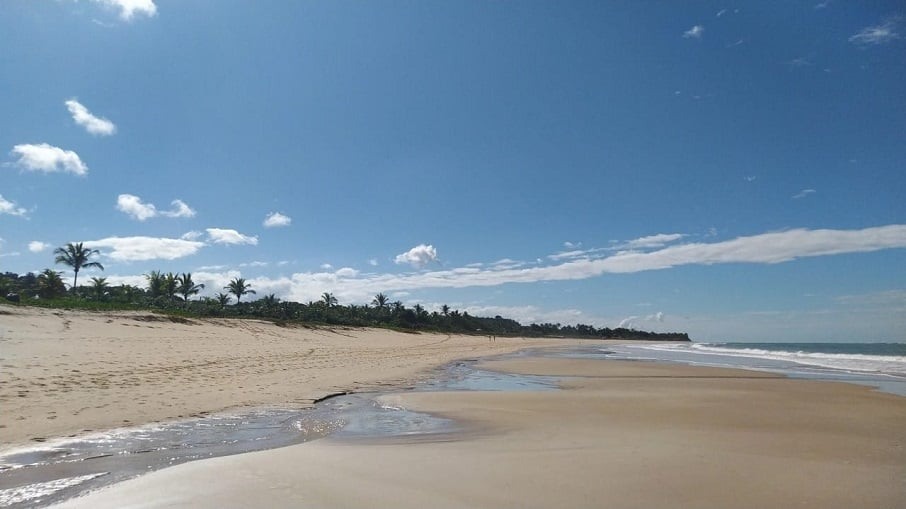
(618, 435)
(65, 373)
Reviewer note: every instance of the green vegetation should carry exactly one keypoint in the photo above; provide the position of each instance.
(173, 294)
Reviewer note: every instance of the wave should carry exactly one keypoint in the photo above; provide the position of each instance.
(853, 362)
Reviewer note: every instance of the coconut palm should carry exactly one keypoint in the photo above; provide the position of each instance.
(170, 286)
(380, 301)
(186, 287)
(328, 299)
(223, 299)
(445, 309)
(50, 284)
(98, 287)
(155, 283)
(239, 287)
(77, 257)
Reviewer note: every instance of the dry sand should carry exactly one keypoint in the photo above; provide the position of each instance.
(621, 435)
(64, 373)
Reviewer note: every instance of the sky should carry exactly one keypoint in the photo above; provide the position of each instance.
(734, 170)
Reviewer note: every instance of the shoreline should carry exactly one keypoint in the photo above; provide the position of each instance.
(618, 434)
(70, 373)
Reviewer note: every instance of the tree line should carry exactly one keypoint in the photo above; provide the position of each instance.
(176, 293)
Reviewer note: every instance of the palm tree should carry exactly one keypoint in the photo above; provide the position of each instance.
(50, 284)
(155, 283)
(186, 287)
(239, 287)
(170, 286)
(223, 299)
(445, 309)
(98, 285)
(328, 299)
(77, 257)
(380, 301)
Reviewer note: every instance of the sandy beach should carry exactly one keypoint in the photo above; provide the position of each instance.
(66, 373)
(619, 434)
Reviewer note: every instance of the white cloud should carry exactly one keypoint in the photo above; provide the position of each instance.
(47, 158)
(276, 219)
(37, 246)
(133, 206)
(373, 262)
(139, 210)
(572, 245)
(876, 35)
(721, 12)
(254, 264)
(347, 272)
(627, 323)
(419, 256)
(180, 209)
(192, 235)
(131, 249)
(91, 123)
(803, 193)
(765, 248)
(326, 266)
(129, 8)
(228, 236)
(656, 317)
(694, 32)
(8, 207)
(654, 240)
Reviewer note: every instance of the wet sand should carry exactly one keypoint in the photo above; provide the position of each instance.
(65, 373)
(620, 435)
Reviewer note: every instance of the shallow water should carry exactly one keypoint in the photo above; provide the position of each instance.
(55, 471)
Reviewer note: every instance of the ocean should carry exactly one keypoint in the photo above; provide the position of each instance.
(880, 365)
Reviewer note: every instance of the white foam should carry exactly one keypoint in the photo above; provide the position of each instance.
(883, 364)
(28, 492)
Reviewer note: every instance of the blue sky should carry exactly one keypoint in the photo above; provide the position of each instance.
(733, 170)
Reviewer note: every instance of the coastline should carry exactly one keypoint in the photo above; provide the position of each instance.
(69, 373)
(616, 433)
(619, 434)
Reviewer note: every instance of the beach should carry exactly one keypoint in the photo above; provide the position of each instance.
(620, 434)
(67, 373)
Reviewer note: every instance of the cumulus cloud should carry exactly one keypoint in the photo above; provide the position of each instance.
(36, 246)
(276, 219)
(133, 206)
(130, 8)
(228, 236)
(803, 193)
(876, 35)
(47, 158)
(347, 272)
(8, 207)
(419, 256)
(180, 209)
(132, 249)
(141, 211)
(91, 123)
(694, 32)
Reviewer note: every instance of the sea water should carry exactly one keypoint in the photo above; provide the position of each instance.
(879, 365)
